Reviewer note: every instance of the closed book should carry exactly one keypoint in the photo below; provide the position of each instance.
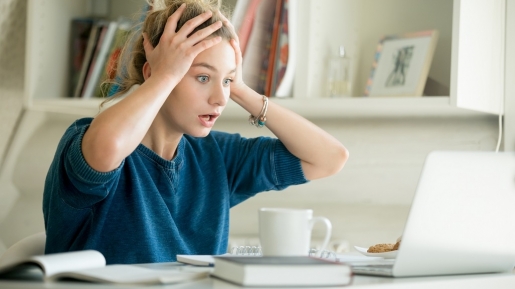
(111, 60)
(98, 61)
(88, 55)
(79, 39)
(295, 271)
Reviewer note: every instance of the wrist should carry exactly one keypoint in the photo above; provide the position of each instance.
(162, 83)
(259, 120)
(239, 92)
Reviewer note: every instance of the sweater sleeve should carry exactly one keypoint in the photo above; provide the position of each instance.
(74, 180)
(257, 164)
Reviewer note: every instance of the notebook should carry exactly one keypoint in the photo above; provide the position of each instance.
(461, 219)
(209, 260)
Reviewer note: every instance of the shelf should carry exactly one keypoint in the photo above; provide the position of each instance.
(482, 90)
(311, 108)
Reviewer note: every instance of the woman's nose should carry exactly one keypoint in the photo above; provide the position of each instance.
(219, 96)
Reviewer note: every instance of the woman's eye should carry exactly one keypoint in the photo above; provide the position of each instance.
(227, 82)
(203, 78)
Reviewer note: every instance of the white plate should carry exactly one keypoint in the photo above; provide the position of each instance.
(386, 255)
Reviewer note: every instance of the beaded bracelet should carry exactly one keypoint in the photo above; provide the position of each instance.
(260, 120)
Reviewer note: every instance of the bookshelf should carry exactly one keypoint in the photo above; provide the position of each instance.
(322, 26)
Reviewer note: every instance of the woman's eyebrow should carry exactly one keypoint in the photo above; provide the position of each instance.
(210, 67)
(203, 64)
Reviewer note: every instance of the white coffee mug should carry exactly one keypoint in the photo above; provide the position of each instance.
(287, 232)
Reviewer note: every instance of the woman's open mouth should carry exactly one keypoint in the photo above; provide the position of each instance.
(208, 120)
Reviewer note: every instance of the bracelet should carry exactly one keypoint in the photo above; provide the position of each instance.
(260, 120)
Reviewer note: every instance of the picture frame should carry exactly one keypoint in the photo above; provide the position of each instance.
(401, 64)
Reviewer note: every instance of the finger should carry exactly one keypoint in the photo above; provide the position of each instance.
(224, 19)
(237, 51)
(191, 24)
(147, 46)
(229, 25)
(204, 33)
(171, 22)
(205, 44)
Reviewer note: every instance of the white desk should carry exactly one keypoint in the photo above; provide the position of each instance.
(493, 281)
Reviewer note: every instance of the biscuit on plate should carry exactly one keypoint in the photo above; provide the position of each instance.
(380, 248)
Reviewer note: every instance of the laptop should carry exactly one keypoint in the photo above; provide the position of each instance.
(462, 218)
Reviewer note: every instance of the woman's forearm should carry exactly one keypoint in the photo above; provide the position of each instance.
(117, 131)
(320, 153)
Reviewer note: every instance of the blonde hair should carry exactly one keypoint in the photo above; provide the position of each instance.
(129, 71)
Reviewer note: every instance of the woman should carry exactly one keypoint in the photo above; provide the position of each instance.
(147, 179)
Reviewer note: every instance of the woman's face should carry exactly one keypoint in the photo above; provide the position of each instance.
(200, 97)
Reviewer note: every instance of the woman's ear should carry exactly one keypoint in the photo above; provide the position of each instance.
(146, 71)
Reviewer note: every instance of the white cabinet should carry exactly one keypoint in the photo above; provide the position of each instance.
(468, 62)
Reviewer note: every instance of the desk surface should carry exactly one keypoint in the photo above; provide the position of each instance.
(33, 280)
(497, 281)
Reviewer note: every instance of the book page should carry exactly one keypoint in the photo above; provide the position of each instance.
(134, 274)
(70, 261)
(23, 250)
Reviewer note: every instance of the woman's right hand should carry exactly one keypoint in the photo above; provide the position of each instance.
(117, 131)
(175, 52)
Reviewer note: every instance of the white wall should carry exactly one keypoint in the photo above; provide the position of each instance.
(12, 52)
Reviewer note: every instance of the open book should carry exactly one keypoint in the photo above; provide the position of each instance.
(90, 265)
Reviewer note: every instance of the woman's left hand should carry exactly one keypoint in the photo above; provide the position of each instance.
(237, 85)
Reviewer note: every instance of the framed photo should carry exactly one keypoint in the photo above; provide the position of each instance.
(401, 64)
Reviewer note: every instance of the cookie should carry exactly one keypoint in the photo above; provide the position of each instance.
(381, 248)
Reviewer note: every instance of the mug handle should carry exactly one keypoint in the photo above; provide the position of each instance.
(328, 229)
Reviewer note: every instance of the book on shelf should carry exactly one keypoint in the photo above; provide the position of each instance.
(98, 60)
(90, 265)
(256, 48)
(86, 61)
(271, 63)
(110, 64)
(266, 32)
(280, 55)
(246, 24)
(79, 38)
(270, 29)
(101, 27)
(293, 271)
(238, 14)
(285, 55)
